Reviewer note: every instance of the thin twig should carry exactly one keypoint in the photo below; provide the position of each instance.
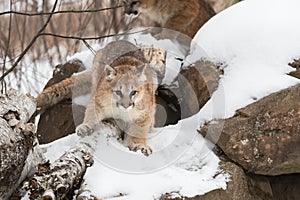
(60, 12)
(89, 47)
(91, 38)
(30, 44)
(8, 38)
(3, 90)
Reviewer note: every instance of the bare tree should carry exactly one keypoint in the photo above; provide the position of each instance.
(51, 32)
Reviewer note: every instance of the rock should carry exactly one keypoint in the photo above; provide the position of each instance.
(167, 107)
(260, 186)
(58, 121)
(296, 65)
(285, 186)
(64, 71)
(196, 84)
(296, 73)
(264, 137)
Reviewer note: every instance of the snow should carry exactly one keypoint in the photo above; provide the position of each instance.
(191, 175)
(254, 40)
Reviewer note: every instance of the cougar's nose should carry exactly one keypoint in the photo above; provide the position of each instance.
(130, 7)
(126, 106)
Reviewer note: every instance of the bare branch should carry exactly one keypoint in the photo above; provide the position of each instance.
(8, 39)
(91, 38)
(60, 12)
(30, 44)
(6, 49)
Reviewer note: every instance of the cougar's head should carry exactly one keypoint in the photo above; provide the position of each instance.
(127, 86)
(136, 7)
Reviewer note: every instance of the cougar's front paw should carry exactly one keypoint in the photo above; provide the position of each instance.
(145, 149)
(84, 129)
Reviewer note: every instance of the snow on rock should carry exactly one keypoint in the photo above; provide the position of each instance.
(255, 40)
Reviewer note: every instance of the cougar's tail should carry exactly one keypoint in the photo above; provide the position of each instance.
(76, 85)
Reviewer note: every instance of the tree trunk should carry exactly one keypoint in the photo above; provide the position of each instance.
(19, 152)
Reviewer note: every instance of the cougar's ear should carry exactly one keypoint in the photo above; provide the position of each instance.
(110, 72)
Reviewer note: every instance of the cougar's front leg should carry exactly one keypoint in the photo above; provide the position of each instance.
(137, 137)
(92, 119)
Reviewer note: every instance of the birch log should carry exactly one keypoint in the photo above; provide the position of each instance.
(57, 180)
(19, 153)
(85, 193)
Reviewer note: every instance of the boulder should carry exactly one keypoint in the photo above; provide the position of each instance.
(196, 84)
(264, 137)
(193, 89)
(285, 186)
(58, 121)
(296, 65)
(260, 186)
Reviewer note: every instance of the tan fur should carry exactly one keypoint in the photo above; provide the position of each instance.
(64, 90)
(185, 16)
(138, 119)
(83, 83)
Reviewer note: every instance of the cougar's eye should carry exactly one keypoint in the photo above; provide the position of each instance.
(118, 92)
(132, 93)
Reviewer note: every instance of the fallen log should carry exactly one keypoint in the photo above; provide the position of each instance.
(19, 152)
(57, 180)
(84, 193)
